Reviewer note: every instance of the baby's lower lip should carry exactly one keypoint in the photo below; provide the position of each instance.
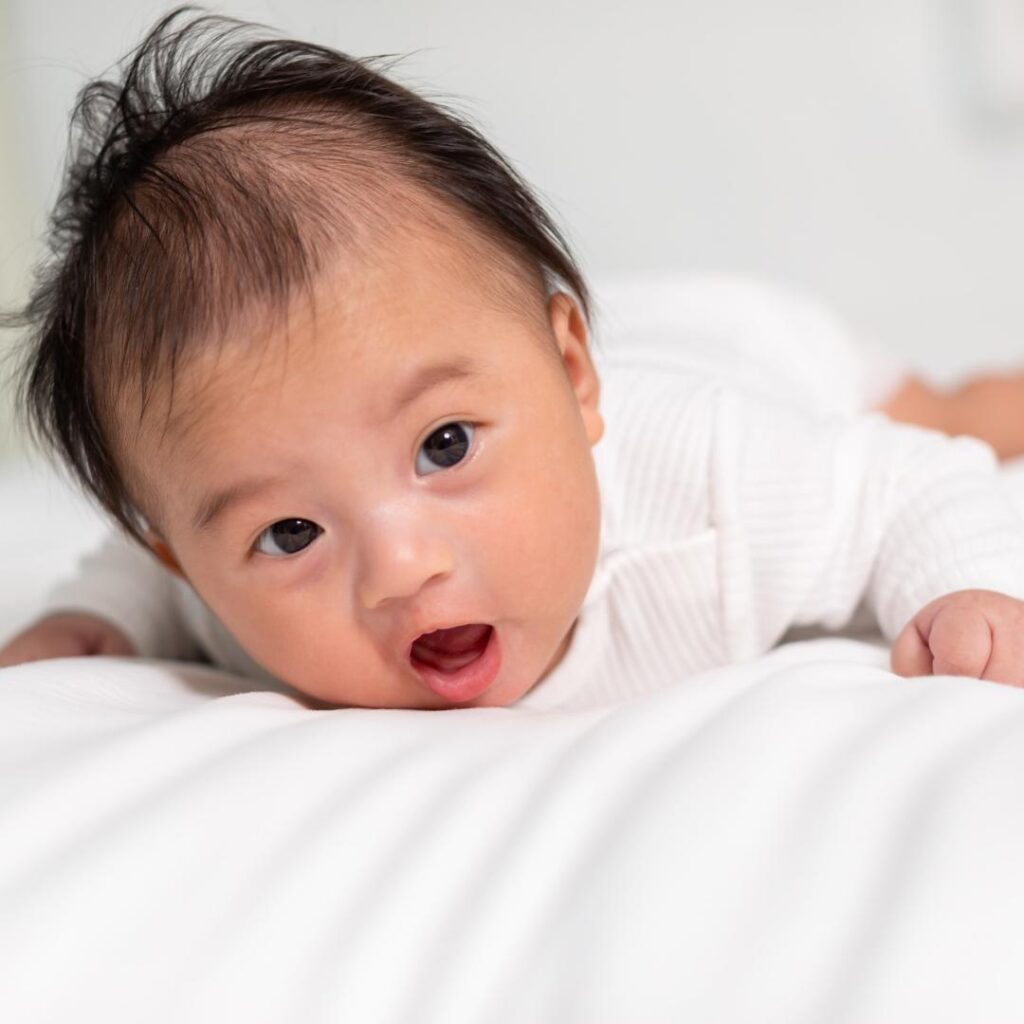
(467, 682)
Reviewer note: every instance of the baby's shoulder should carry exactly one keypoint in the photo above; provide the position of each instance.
(653, 460)
(642, 394)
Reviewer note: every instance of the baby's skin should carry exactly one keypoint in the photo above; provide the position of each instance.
(66, 635)
(976, 633)
(987, 406)
(972, 633)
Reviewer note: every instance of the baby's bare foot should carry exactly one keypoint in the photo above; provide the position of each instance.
(988, 406)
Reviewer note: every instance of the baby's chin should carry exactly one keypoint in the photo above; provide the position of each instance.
(506, 692)
(503, 694)
(498, 696)
(427, 703)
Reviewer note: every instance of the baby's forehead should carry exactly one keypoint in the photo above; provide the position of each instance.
(187, 280)
(427, 262)
(417, 299)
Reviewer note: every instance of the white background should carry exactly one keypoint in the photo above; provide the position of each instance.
(832, 145)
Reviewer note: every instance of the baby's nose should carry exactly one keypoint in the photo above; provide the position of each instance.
(398, 559)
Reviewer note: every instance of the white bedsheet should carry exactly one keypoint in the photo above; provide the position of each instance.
(803, 838)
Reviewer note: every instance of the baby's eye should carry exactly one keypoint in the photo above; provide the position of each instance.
(287, 537)
(444, 448)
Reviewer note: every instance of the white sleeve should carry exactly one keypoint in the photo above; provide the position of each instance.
(122, 583)
(814, 514)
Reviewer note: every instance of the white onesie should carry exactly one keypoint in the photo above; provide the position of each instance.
(743, 492)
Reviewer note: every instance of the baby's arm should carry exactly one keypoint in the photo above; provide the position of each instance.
(65, 635)
(815, 513)
(120, 602)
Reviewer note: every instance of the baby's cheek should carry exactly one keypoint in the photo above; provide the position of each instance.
(293, 641)
(322, 654)
(549, 546)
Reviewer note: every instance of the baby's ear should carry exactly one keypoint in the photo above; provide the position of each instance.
(164, 554)
(570, 329)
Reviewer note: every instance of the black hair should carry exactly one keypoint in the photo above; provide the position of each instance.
(195, 186)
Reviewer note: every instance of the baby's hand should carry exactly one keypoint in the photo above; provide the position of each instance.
(65, 635)
(977, 633)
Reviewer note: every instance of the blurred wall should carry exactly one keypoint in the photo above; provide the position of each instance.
(16, 246)
(825, 144)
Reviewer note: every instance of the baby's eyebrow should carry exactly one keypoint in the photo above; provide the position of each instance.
(430, 376)
(214, 505)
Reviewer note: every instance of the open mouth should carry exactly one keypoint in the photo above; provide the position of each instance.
(458, 663)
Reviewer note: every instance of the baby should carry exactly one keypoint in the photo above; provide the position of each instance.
(318, 351)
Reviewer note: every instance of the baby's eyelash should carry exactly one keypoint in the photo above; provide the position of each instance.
(454, 443)
(291, 536)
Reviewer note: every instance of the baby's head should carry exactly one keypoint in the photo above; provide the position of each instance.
(307, 337)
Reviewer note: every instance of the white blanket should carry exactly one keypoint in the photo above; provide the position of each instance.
(802, 838)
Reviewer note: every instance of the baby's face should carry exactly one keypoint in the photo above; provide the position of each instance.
(414, 458)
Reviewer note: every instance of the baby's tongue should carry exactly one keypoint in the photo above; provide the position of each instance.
(451, 649)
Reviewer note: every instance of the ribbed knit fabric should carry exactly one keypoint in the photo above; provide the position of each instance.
(729, 513)
(738, 518)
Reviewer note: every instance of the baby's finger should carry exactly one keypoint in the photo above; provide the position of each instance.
(910, 655)
(960, 639)
(1006, 664)
(112, 642)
